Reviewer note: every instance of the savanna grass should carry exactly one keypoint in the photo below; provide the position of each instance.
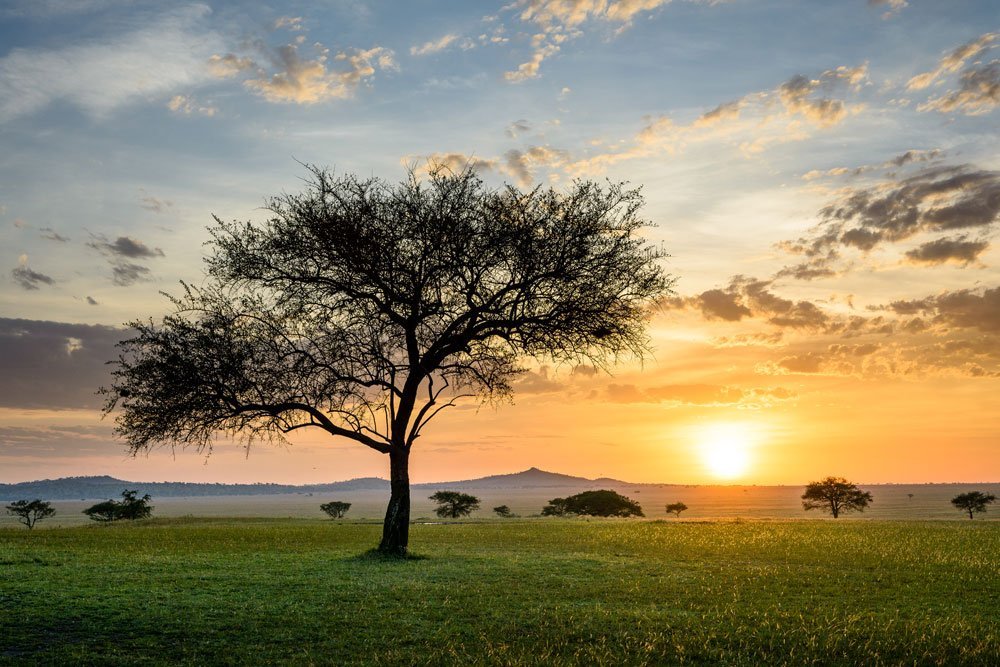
(196, 591)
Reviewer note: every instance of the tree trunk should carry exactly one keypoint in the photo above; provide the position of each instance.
(396, 529)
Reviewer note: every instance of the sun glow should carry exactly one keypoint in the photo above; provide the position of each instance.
(726, 450)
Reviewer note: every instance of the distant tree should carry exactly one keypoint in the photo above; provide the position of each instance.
(676, 508)
(30, 512)
(910, 496)
(336, 509)
(452, 504)
(556, 507)
(362, 309)
(129, 508)
(973, 501)
(504, 512)
(594, 503)
(835, 495)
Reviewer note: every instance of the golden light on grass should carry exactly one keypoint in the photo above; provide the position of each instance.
(726, 449)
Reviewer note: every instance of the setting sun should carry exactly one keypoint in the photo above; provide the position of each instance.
(725, 450)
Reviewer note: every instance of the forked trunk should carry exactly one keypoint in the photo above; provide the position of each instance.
(396, 529)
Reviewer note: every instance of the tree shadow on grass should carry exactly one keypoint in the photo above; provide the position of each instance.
(376, 556)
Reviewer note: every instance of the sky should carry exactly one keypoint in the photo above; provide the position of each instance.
(825, 177)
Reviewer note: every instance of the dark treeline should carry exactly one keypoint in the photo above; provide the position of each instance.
(77, 488)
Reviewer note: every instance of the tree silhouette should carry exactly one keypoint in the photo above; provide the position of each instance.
(835, 495)
(676, 509)
(503, 511)
(363, 309)
(973, 501)
(129, 508)
(453, 504)
(602, 502)
(336, 509)
(30, 512)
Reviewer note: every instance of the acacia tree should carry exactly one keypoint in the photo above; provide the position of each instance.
(30, 512)
(973, 501)
(335, 508)
(676, 508)
(363, 309)
(454, 504)
(835, 495)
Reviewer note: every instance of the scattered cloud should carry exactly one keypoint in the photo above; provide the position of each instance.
(50, 234)
(151, 203)
(517, 128)
(952, 62)
(304, 81)
(186, 105)
(293, 23)
(978, 92)
(936, 199)
(124, 246)
(434, 46)
(893, 7)
(957, 250)
(229, 65)
(119, 252)
(91, 301)
(967, 308)
(28, 279)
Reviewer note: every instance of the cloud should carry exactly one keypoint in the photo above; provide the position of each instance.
(957, 250)
(229, 65)
(102, 76)
(27, 278)
(762, 119)
(125, 246)
(936, 199)
(91, 301)
(968, 308)
(434, 46)
(118, 252)
(952, 62)
(521, 164)
(186, 105)
(453, 162)
(696, 394)
(530, 68)
(54, 365)
(517, 128)
(894, 6)
(301, 81)
(747, 297)
(293, 23)
(151, 203)
(978, 92)
(50, 234)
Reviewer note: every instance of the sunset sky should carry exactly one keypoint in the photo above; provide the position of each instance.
(825, 176)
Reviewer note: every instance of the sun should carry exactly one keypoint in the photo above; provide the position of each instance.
(726, 450)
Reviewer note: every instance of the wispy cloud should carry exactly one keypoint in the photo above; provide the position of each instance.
(434, 46)
(102, 76)
(952, 62)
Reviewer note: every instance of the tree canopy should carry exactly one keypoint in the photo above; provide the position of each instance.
(129, 508)
(363, 309)
(454, 504)
(594, 503)
(835, 495)
(973, 502)
(675, 508)
(30, 512)
(336, 509)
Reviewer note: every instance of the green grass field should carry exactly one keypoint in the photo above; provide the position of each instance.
(201, 591)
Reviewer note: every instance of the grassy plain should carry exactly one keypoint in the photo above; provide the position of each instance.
(296, 591)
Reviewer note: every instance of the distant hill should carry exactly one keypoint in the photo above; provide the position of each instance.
(101, 487)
